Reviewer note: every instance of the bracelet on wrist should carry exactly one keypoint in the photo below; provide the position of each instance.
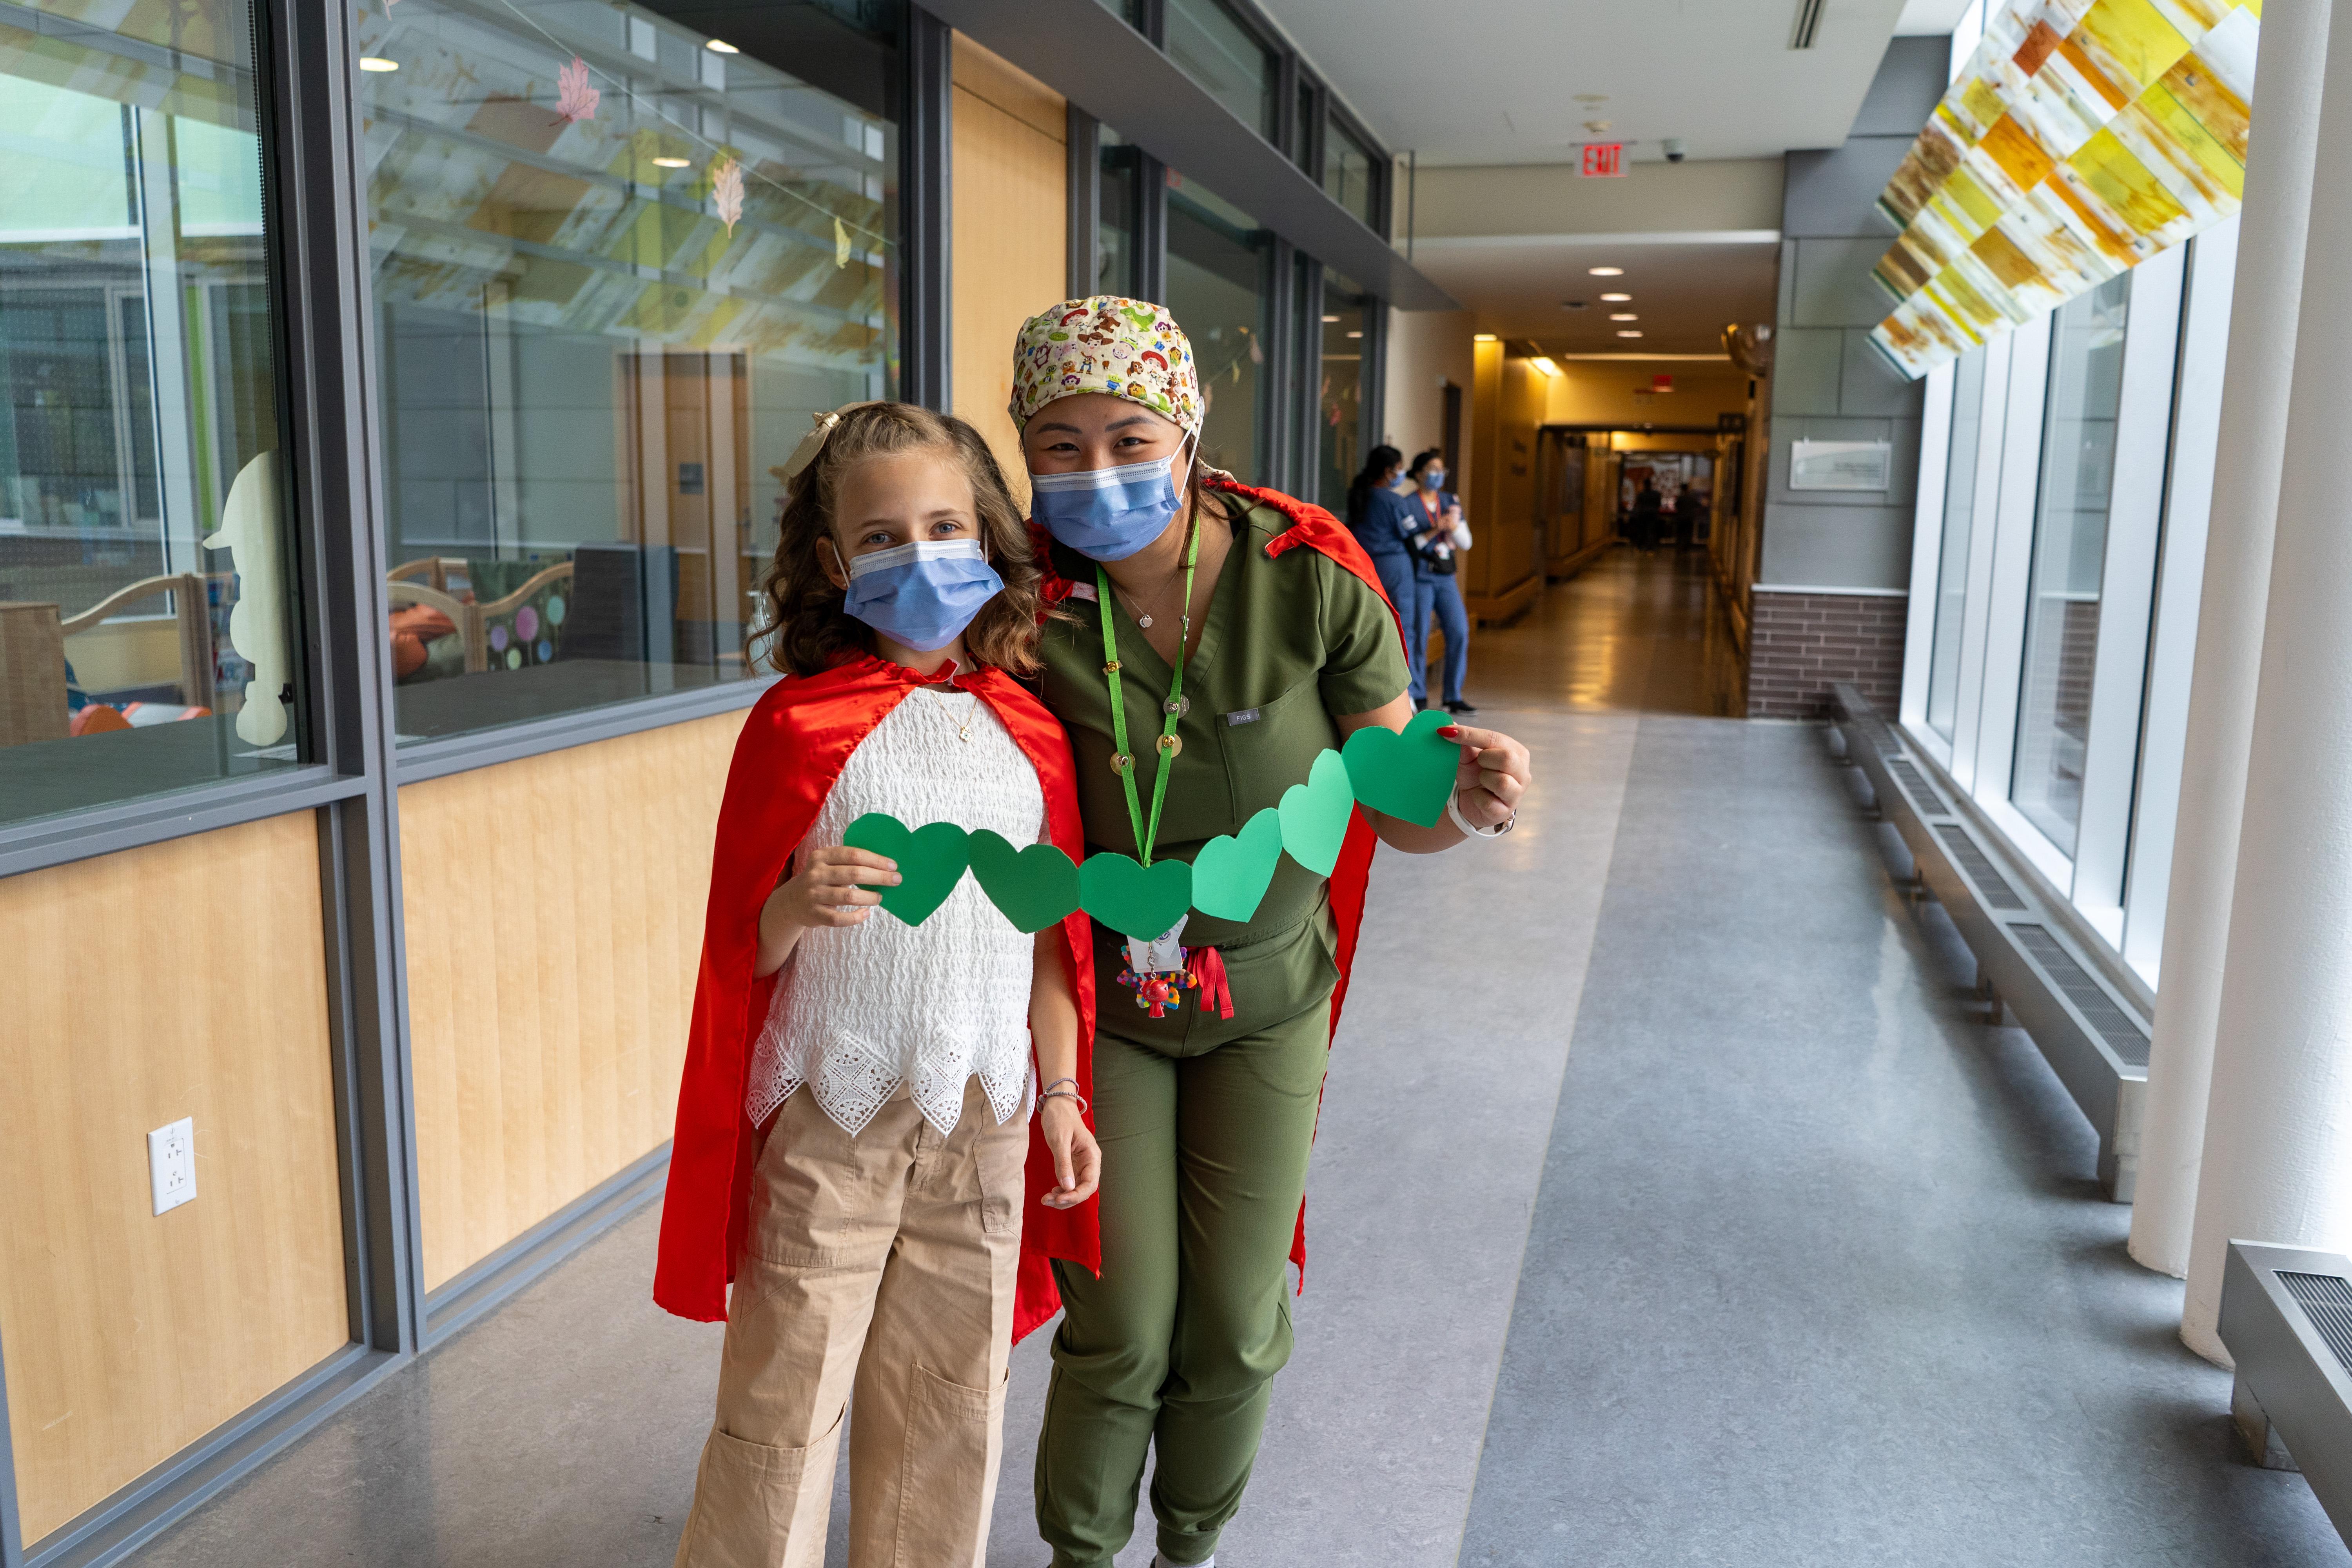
(1454, 810)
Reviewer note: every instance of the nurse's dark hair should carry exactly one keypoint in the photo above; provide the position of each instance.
(1423, 460)
(1377, 464)
(808, 629)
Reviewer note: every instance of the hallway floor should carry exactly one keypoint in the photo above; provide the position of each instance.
(1671, 1206)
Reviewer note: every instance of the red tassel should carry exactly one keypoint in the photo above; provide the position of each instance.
(1208, 977)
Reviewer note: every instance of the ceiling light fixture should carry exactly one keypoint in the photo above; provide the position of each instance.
(1545, 365)
(377, 63)
(1629, 334)
(721, 47)
(673, 164)
(1355, 334)
(1606, 271)
(1616, 299)
(1482, 337)
(1330, 320)
(1623, 316)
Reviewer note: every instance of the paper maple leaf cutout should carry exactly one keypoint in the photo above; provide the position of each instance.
(727, 192)
(575, 100)
(840, 245)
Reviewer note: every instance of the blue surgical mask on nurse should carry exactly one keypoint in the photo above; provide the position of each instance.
(1432, 478)
(1107, 514)
(922, 596)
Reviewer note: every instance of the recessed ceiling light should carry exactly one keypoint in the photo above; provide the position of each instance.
(1482, 337)
(673, 164)
(1606, 271)
(1330, 320)
(1355, 334)
(721, 47)
(1616, 299)
(377, 63)
(1623, 316)
(1629, 334)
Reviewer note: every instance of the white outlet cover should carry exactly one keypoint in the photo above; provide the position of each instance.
(172, 1163)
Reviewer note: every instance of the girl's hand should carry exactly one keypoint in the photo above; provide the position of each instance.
(1077, 1158)
(825, 891)
(1495, 771)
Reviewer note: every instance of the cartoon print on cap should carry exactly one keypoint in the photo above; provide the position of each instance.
(1128, 348)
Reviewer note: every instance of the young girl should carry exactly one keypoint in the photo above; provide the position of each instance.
(855, 1120)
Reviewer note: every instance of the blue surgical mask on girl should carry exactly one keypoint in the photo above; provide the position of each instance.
(1108, 514)
(922, 595)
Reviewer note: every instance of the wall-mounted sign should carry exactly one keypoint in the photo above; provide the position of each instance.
(1840, 465)
(1604, 161)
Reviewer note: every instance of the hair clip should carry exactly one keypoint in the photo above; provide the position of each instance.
(814, 442)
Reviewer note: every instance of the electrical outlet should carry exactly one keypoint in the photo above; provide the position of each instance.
(172, 1163)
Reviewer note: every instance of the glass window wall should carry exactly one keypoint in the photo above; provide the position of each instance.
(616, 269)
(1348, 171)
(1339, 403)
(1220, 290)
(1960, 519)
(1225, 58)
(149, 634)
(1118, 220)
(2070, 531)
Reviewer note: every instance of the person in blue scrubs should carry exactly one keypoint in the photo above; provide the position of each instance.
(1377, 517)
(1438, 534)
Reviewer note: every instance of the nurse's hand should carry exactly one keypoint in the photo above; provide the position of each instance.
(1495, 771)
(1077, 1158)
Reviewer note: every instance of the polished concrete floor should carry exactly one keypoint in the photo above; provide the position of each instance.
(1673, 1206)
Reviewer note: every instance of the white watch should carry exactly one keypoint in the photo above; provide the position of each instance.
(1454, 810)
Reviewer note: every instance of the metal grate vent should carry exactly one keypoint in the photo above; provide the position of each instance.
(1882, 737)
(1915, 785)
(2125, 1038)
(1972, 860)
(2328, 1297)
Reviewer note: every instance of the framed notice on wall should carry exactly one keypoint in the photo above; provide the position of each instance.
(1840, 465)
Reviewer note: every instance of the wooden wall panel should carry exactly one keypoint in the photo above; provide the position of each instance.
(1011, 223)
(184, 979)
(554, 919)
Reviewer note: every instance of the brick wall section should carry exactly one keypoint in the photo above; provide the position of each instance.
(1803, 642)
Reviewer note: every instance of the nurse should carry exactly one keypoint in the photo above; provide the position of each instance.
(1210, 639)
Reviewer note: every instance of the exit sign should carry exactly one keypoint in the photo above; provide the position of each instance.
(1604, 161)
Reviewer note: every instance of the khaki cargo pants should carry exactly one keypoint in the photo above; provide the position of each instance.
(882, 1264)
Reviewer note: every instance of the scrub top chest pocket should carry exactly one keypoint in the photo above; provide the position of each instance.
(1271, 746)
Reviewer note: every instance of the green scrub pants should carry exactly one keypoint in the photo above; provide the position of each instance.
(1205, 1125)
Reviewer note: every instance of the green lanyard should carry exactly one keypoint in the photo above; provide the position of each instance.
(1123, 763)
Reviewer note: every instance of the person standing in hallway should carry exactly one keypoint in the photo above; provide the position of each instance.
(1649, 516)
(856, 1116)
(1213, 639)
(1690, 506)
(1378, 517)
(1439, 531)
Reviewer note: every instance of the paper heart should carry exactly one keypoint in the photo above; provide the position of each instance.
(1134, 900)
(1034, 888)
(1315, 814)
(1409, 775)
(1230, 872)
(931, 860)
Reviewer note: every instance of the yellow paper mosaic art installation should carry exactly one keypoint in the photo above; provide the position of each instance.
(2082, 139)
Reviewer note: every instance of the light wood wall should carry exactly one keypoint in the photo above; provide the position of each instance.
(554, 922)
(1010, 257)
(184, 979)
(1503, 572)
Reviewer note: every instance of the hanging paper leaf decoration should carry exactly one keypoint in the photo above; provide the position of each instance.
(575, 100)
(840, 245)
(727, 192)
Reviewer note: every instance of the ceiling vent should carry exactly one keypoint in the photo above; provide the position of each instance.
(1809, 23)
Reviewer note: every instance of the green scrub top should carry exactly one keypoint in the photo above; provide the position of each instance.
(1291, 643)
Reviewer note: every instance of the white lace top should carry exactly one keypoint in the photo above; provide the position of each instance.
(862, 1011)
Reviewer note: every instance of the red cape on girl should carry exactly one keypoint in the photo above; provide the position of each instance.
(792, 749)
(1311, 528)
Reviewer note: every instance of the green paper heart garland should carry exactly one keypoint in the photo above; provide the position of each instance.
(1407, 777)
(1036, 888)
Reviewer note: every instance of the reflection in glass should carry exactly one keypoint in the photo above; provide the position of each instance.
(146, 631)
(1224, 58)
(1348, 171)
(2070, 536)
(601, 327)
(1960, 518)
(1118, 220)
(1339, 403)
(1220, 286)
